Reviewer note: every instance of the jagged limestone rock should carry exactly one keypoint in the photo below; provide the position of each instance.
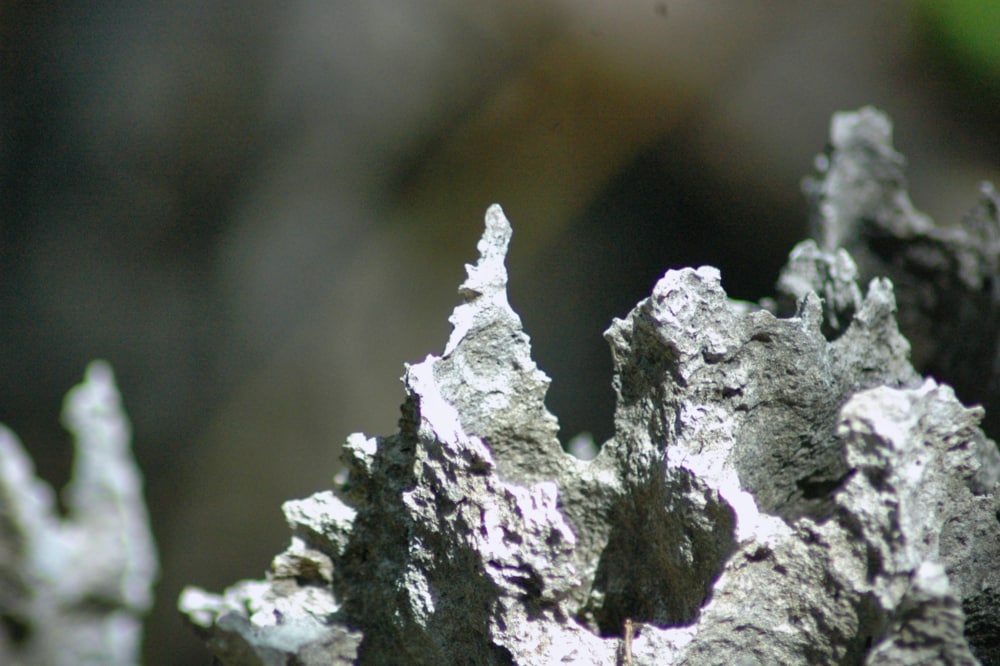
(947, 278)
(73, 590)
(778, 490)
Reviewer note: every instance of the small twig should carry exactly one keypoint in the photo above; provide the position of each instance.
(627, 641)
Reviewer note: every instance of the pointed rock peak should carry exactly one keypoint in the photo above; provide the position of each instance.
(489, 275)
(485, 289)
(486, 373)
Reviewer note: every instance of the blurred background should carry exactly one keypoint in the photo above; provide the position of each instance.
(259, 213)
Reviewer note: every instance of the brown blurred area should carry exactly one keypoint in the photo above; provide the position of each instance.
(257, 214)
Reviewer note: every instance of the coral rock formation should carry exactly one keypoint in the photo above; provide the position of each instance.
(779, 490)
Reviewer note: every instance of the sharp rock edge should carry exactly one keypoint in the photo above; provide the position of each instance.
(778, 490)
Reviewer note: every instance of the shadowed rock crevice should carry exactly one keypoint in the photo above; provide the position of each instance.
(661, 561)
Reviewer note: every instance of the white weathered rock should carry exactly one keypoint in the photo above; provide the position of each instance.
(770, 496)
(73, 590)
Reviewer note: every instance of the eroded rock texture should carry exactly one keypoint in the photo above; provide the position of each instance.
(947, 278)
(778, 491)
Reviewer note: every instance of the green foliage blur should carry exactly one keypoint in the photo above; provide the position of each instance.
(965, 35)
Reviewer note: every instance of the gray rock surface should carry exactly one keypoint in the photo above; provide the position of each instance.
(73, 589)
(947, 278)
(777, 491)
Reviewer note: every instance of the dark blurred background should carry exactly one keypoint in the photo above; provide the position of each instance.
(258, 213)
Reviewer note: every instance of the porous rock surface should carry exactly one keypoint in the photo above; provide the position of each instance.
(777, 491)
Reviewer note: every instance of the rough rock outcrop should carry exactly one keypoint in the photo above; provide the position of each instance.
(777, 491)
(73, 589)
